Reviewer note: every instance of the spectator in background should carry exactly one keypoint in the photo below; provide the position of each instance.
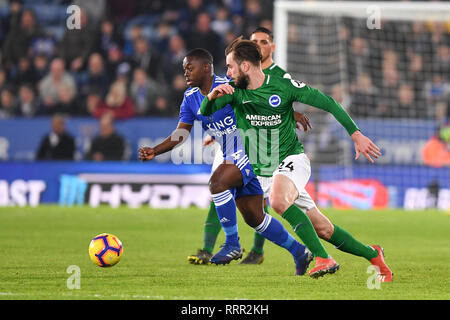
(57, 89)
(164, 32)
(10, 19)
(76, 45)
(204, 37)
(436, 152)
(144, 91)
(135, 31)
(19, 39)
(146, 57)
(174, 57)
(253, 16)
(108, 145)
(40, 66)
(92, 102)
(221, 23)
(28, 104)
(115, 57)
(124, 73)
(23, 73)
(8, 104)
(109, 36)
(177, 93)
(162, 108)
(117, 104)
(358, 58)
(436, 90)
(419, 41)
(3, 78)
(388, 90)
(416, 74)
(58, 144)
(95, 76)
(405, 105)
(188, 16)
(364, 97)
(441, 61)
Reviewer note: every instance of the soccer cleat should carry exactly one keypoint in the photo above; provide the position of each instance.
(384, 273)
(227, 254)
(253, 258)
(202, 257)
(324, 266)
(302, 262)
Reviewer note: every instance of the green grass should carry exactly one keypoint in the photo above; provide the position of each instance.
(38, 244)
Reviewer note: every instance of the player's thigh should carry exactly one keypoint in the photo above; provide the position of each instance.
(290, 179)
(283, 193)
(225, 177)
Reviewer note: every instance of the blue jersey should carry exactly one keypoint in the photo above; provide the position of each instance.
(221, 125)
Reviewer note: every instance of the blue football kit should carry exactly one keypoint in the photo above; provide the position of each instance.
(221, 125)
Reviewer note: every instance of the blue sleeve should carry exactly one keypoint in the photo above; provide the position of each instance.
(186, 115)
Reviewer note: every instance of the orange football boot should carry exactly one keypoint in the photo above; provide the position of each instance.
(384, 273)
(324, 266)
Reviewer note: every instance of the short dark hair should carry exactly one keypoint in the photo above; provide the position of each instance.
(201, 54)
(245, 50)
(264, 30)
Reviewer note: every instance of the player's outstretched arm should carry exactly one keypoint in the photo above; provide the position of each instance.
(365, 146)
(178, 137)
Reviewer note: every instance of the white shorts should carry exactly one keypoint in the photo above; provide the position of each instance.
(218, 157)
(266, 185)
(298, 169)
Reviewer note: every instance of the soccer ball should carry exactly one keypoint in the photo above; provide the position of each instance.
(105, 250)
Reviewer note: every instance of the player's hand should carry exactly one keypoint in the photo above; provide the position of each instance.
(146, 153)
(365, 146)
(303, 120)
(220, 91)
(208, 140)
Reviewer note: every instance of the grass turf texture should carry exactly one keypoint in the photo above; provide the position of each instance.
(38, 244)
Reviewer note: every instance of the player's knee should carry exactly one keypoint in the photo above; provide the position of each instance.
(216, 186)
(253, 221)
(278, 203)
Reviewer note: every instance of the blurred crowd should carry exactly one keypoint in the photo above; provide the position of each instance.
(401, 70)
(124, 61)
(126, 58)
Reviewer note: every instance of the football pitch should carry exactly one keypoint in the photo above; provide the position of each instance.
(38, 245)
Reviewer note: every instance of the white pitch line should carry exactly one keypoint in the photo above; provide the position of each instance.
(121, 296)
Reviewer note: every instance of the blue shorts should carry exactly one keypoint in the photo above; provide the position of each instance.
(251, 185)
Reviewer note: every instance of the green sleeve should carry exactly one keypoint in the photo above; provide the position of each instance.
(209, 107)
(318, 99)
